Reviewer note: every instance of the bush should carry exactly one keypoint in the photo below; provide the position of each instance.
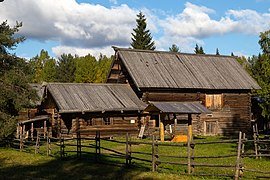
(7, 126)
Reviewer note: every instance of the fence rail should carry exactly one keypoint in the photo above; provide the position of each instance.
(156, 158)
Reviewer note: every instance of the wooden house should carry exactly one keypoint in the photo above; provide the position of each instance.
(30, 119)
(109, 108)
(217, 82)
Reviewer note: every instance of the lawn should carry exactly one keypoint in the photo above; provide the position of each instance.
(27, 165)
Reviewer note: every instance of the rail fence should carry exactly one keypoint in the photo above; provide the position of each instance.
(153, 155)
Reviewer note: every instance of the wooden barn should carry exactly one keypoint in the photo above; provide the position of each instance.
(109, 108)
(217, 82)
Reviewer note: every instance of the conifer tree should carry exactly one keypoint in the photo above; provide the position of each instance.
(174, 48)
(199, 50)
(141, 38)
(217, 52)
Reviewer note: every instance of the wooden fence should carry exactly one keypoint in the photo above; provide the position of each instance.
(189, 161)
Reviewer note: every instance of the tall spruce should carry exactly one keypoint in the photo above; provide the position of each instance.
(141, 38)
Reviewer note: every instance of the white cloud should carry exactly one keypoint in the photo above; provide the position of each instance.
(72, 24)
(81, 28)
(194, 24)
(59, 50)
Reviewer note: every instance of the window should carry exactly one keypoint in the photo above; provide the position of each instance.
(107, 121)
(214, 101)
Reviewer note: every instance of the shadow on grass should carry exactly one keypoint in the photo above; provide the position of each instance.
(72, 168)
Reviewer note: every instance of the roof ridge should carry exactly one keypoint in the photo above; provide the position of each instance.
(168, 52)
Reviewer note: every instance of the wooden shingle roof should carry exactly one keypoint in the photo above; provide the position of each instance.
(83, 97)
(157, 69)
(177, 107)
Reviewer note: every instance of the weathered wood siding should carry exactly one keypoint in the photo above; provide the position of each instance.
(234, 116)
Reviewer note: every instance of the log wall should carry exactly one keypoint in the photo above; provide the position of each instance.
(232, 117)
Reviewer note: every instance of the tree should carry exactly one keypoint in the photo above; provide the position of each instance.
(49, 70)
(141, 38)
(217, 52)
(103, 67)
(44, 67)
(14, 88)
(174, 48)
(199, 50)
(232, 54)
(86, 68)
(260, 70)
(265, 42)
(66, 68)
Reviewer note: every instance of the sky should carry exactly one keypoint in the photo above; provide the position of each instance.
(94, 26)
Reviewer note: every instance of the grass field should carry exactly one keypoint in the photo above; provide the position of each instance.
(27, 165)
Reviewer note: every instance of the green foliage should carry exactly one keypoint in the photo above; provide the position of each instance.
(14, 89)
(44, 67)
(103, 67)
(141, 38)
(49, 70)
(265, 42)
(199, 50)
(66, 68)
(86, 68)
(260, 70)
(7, 125)
(7, 39)
(174, 48)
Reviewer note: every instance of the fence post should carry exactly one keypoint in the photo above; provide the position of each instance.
(255, 141)
(237, 166)
(127, 154)
(192, 145)
(156, 155)
(48, 144)
(21, 138)
(188, 148)
(97, 139)
(153, 154)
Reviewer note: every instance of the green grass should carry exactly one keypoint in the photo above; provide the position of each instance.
(27, 165)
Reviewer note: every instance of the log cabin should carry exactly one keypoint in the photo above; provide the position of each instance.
(217, 82)
(112, 109)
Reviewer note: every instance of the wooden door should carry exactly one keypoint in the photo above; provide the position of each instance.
(211, 127)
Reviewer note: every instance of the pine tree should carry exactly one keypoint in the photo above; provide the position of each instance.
(232, 54)
(217, 52)
(15, 92)
(66, 68)
(174, 48)
(141, 38)
(199, 50)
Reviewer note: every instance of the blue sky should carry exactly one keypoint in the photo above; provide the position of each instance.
(93, 26)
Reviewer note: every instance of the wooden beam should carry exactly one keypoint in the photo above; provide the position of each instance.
(161, 126)
(190, 126)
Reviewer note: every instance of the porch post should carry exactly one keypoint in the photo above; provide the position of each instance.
(190, 126)
(161, 127)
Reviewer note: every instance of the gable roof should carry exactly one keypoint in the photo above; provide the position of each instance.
(84, 97)
(157, 69)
